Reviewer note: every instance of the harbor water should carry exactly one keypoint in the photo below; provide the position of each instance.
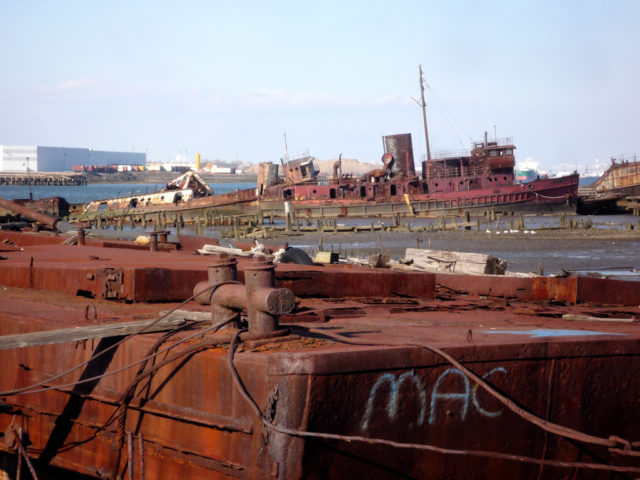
(99, 191)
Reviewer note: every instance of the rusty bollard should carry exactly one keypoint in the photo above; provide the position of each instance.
(153, 244)
(81, 236)
(221, 271)
(259, 279)
(258, 297)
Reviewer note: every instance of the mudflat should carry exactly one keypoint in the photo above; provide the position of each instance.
(581, 250)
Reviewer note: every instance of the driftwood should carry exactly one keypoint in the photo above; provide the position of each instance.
(455, 262)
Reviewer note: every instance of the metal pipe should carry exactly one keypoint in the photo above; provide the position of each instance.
(47, 220)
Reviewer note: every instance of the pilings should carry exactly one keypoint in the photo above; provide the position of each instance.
(43, 179)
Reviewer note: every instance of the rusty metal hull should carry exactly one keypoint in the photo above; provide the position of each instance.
(385, 381)
(620, 180)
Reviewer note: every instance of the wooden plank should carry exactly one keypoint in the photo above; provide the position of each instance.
(587, 318)
(458, 262)
(74, 334)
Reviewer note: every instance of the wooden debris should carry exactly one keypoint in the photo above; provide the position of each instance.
(208, 249)
(74, 334)
(587, 318)
(458, 262)
(326, 257)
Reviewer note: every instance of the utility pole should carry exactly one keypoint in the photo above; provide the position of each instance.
(424, 114)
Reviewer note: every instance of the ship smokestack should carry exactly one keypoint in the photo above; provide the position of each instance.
(400, 147)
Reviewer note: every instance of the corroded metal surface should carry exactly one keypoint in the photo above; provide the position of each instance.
(383, 381)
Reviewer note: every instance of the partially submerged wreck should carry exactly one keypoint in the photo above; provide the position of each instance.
(609, 193)
(479, 181)
(475, 181)
(187, 192)
(112, 370)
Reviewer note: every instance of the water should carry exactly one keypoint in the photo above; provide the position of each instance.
(99, 191)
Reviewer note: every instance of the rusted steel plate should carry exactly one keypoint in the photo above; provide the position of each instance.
(586, 289)
(345, 281)
(491, 285)
(149, 276)
(606, 291)
(195, 423)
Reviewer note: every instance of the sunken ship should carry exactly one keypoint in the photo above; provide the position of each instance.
(611, 192)
(478, 181)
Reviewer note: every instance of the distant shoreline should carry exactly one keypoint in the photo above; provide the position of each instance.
(164, 177)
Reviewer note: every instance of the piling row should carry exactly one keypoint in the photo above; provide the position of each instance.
(43, 179)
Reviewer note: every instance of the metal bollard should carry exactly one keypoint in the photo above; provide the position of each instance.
(221, 270)
(81, 236)
(258, 277)
(153, 245)
(263, 302)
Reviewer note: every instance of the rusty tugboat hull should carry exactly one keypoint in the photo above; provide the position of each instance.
(616, 191)
(294, 371)
(477, 181)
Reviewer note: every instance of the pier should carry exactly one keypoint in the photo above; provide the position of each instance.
(67, 179)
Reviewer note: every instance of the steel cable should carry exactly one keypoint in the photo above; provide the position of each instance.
(28, 389)
(379, 441)
(611, 442)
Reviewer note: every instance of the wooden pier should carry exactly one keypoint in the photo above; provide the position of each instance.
(67, 179)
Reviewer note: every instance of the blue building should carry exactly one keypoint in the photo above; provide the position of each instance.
(62, 159)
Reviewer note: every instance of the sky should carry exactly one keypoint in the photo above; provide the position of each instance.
(229, 78)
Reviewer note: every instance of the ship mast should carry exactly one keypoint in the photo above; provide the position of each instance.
(424, 113)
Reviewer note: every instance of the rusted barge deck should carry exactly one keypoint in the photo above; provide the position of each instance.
(374, 373)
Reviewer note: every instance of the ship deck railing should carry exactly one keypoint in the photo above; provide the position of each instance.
(447, 154)
(449, 172)
(496, 142)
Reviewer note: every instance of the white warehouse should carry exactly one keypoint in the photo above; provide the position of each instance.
(61, 159)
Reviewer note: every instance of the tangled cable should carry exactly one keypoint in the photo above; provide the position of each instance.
(34, 388)
(143, 372)
(548, 426)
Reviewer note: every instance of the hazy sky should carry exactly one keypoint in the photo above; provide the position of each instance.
(227, 79)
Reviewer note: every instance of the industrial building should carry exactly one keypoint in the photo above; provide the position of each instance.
(62, 159)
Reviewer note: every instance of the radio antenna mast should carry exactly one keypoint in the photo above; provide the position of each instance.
(424, 113)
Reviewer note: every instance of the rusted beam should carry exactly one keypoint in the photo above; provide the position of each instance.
(47, 220)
